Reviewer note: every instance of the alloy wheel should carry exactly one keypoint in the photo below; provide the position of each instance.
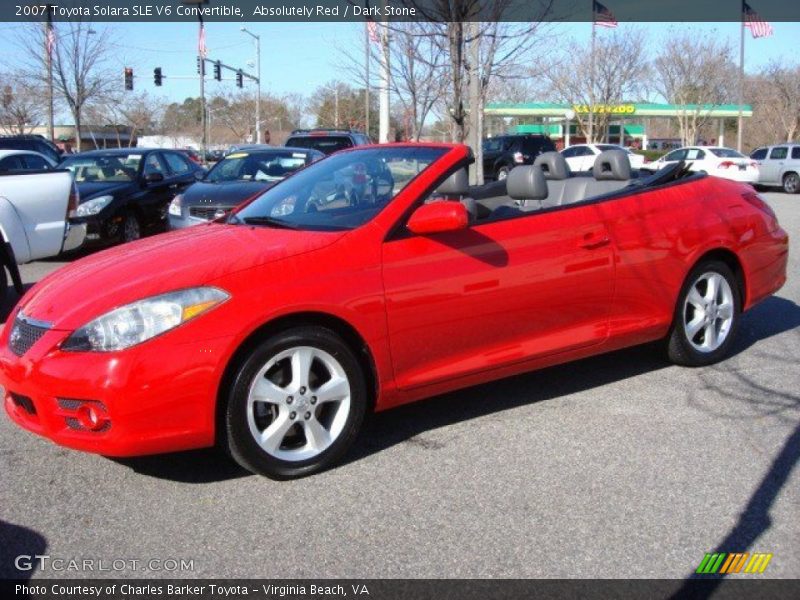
(298, 403)
(791, 183)
(708, 312)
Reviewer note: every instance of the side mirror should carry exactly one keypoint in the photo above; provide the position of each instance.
(438, 217)
(154, 178)
(200, 174)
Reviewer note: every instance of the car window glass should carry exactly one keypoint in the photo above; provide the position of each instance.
(759, 154)
(177, 164)
(675, 155)
(34, 162)
(568, 152)
(10, 163)
(492, 145)
(324, 143)
(779, 153)
(695, 154)
(153, 164)
(117, 167)
(585, 151)
(796, 152)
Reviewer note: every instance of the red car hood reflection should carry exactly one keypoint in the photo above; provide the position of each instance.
(75, 294)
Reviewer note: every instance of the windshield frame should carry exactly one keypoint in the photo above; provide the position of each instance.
(278, 194)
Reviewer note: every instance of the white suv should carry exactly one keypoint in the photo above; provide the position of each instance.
(779, 166)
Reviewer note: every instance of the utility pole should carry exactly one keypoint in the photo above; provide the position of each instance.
(383, 135)
(336, 106)
(366, 80)
(49, 42)
(741, 86)
(475, 109)
(258, 89)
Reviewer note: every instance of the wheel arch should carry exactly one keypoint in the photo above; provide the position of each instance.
(338, 325)
(730, 258)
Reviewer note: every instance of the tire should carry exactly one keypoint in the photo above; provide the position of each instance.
(3, 284)
(131, 228)
(791, 183)
(311, 428)
(502, 173)
(704, 327)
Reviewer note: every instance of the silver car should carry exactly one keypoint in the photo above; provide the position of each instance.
(779, 166)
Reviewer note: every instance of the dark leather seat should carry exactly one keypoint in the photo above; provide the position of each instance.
(457, 187)
(611, 172)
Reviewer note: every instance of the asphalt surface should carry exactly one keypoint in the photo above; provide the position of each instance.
(615, 466)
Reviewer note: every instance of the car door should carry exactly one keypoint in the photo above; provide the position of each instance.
(697, 157)
(772, 167)
(491, 151)
(570, 155)
(13, 162)
(588, 156)
(672, 157)
(496, 294)
(157, 192)
(181, 172)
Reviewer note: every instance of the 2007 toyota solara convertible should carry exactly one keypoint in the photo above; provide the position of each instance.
(373, 278)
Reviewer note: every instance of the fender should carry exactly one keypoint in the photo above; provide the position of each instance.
(8, 260)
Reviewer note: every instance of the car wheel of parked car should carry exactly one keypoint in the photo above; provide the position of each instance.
(502, 173)
(131, 228)
(296, 404)
(791, 183)
(706, 317)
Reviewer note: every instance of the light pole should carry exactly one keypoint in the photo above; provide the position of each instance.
(257, 38)
(569, 114)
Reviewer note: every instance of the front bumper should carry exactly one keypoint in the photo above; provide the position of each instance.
(157, 397)
(74, 236)
(184, 221)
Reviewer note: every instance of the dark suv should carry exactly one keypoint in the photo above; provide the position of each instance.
(504, 152)
(327, 141)
(34, 143)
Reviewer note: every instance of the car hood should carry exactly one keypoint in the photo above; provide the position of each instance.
(227, 193)
(90, 287)
(92, 189)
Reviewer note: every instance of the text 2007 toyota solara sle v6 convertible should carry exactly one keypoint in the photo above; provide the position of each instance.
(373, 278)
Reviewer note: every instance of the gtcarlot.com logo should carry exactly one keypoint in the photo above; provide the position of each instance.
(725, 563)
(45, 562)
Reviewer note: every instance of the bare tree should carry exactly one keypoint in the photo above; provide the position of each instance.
(695, 72)
(126, 112)
(79, 61)
(620, 71)
(21, 107)
(783, 96)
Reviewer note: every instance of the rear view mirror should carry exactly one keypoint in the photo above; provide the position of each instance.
(438, 217)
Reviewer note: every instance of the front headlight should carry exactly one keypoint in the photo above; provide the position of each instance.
(175, 206)
(93, 206)
(142, 320)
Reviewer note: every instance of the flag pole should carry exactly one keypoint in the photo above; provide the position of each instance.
(366, 84)
(591, 81)
(741, 82)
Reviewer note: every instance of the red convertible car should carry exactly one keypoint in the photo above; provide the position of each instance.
(373, 278)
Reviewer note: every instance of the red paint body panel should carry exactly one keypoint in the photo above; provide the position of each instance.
(436, 312)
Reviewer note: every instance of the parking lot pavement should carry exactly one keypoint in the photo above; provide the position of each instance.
(616, 466)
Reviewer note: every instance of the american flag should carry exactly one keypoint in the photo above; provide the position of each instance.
(602, 16)
(758, 27)
(50, 40)
(201, 41)
(372, 30)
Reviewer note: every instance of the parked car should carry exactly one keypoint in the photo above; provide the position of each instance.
(779, 166)
(24, 160)
(191, 154)
(327, 141)
(581, 157)
(726, 163)
(125, 191)
(32, 143)
(274, 332)
(236, 178)
(504, 152)
(34, 220)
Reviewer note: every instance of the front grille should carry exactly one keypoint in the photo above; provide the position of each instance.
(208, 213)
(24, 335)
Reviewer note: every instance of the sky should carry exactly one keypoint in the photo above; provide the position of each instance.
(300, 57)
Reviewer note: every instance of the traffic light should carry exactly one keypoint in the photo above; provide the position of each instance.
(201, 66)
(128, 79)
(157, 76)
(239, 79)
(218, 70)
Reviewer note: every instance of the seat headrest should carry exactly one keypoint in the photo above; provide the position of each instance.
(455, 185)
(526, 182)
(612, 164)
(553, 165)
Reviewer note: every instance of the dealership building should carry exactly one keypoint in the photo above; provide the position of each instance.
(629, 123)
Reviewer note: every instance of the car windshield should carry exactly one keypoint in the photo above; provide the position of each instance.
(256, 166)
(341, 192)
(324, 143)
(726, 153)
(116, 167)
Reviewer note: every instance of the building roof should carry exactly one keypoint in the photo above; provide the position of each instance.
(625, 109)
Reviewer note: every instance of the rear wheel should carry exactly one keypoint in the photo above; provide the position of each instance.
(296, 405)
(791, 183)
(706, 317)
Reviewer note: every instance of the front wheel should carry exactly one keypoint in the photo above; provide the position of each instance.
(706, 317)
(131, 227)
(296, 405)
(791, 183)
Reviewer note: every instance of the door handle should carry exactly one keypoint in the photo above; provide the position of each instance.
(591, 241)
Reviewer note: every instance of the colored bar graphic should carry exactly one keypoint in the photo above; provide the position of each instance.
(725, 564)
